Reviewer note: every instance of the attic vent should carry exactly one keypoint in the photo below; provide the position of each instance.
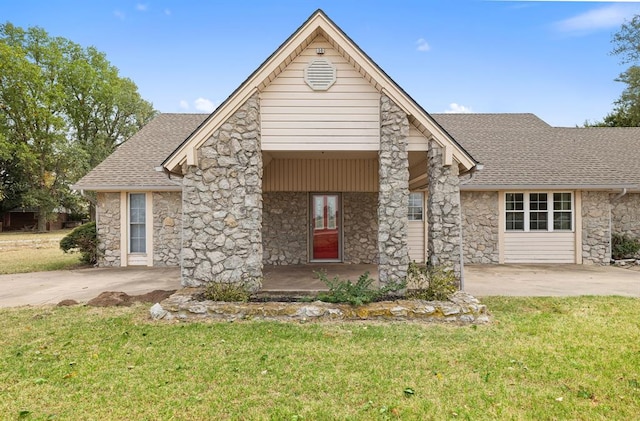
(320, 74)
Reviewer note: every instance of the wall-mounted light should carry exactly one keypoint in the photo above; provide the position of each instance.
(319, 50)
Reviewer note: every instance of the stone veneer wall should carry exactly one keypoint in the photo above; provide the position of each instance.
(167, 228)
(480, 226)
(393, 198)
(285, 228)
(443, 211)
(596, 247)
(222, 205)
(625, 215)
(108, 227)
(360, 227)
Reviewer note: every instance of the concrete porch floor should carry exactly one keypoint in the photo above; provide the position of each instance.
(302, 278)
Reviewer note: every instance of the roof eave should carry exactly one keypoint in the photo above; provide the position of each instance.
(591, 187)
(123, 187)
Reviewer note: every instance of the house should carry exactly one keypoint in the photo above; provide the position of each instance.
(26, 219)
(319, 156)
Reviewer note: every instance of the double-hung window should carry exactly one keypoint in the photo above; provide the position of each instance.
(539, 211)
(416, 205)
(137, 223)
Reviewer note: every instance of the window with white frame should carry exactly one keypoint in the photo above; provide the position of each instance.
(539, 211)
(416, 206)
(137, 223)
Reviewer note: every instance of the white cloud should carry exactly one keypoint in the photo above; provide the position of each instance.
(423, 45)
(607, 17)
(120, 15)
(184, 104)
(204, 105)
(455, 108)
(141, 7)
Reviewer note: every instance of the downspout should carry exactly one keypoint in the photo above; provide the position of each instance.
(474, 172)
(611, 202)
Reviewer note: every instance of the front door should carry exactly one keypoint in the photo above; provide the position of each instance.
(325, 227)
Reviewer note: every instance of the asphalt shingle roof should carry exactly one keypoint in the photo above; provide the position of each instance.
(133, 163)
(516, 150)
(522, 150)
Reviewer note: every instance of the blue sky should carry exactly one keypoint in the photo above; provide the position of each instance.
(549, 58)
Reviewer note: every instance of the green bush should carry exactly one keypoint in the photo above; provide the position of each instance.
(356, 294)
(83, 239)
(226, 291)
(430, 282)
(624, 246)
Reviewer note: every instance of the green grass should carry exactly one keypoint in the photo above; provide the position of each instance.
(22, 252)
(542, 358)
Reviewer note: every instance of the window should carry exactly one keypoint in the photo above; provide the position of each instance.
(535, 211)
(416, 202)
(137, 223)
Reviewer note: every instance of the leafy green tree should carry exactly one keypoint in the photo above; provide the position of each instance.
(63, 109)
(626, 112)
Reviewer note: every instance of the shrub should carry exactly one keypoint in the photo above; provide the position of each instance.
(356, 294)
(226, 291)
(624, 246)
(430, 282)
(83, 239)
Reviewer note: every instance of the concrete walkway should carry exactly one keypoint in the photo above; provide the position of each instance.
(480, 280)
(83, 284)
(551, 280)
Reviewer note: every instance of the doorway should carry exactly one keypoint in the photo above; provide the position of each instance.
(326, 228)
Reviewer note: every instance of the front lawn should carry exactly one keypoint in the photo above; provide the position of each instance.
(22, 252)
(542, 358)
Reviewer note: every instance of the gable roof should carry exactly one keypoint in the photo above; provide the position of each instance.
(522, 151)
(132, 166)
(319, 24)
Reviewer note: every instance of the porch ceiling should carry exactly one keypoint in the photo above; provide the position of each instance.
(268, 156)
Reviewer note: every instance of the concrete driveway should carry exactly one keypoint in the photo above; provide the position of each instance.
(480, 280)
(82, 285)
(551, 280)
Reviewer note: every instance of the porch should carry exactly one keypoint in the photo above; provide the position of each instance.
(302, 278)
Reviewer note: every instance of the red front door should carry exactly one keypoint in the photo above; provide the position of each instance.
(325, 227)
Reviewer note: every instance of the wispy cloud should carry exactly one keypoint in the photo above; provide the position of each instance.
(455, 108)
(142, 7)
(204, 105)
(184, 104)
(167, 12)
(422, 45)
(119, 14)
(606, 17)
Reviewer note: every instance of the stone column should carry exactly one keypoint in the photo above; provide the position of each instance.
(596, 227)
(443, 211)
(222, 205)
(393, 197)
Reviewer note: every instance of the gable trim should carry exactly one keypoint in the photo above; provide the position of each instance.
(318, 23)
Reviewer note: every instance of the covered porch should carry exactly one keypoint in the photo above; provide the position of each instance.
(303, 279)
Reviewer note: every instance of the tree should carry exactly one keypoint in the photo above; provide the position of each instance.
(626, 112)
(63, 109)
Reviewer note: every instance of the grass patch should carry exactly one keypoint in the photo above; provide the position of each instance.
(22, 252)
(542, 358)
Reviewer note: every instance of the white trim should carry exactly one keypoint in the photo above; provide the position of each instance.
(501, 226)
(578, 225)
(148, 220)
(124, 229)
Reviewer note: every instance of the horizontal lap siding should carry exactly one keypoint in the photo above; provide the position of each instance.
(321, 175)
(416, 241)
(539, 247)
(417, 141)
(345, 117)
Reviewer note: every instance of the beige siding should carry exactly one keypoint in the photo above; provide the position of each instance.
(345, 117)
(539, 247)
(321, 175)
(416, 241)
(417, 141)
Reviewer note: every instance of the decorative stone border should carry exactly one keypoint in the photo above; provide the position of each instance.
(462, 308)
